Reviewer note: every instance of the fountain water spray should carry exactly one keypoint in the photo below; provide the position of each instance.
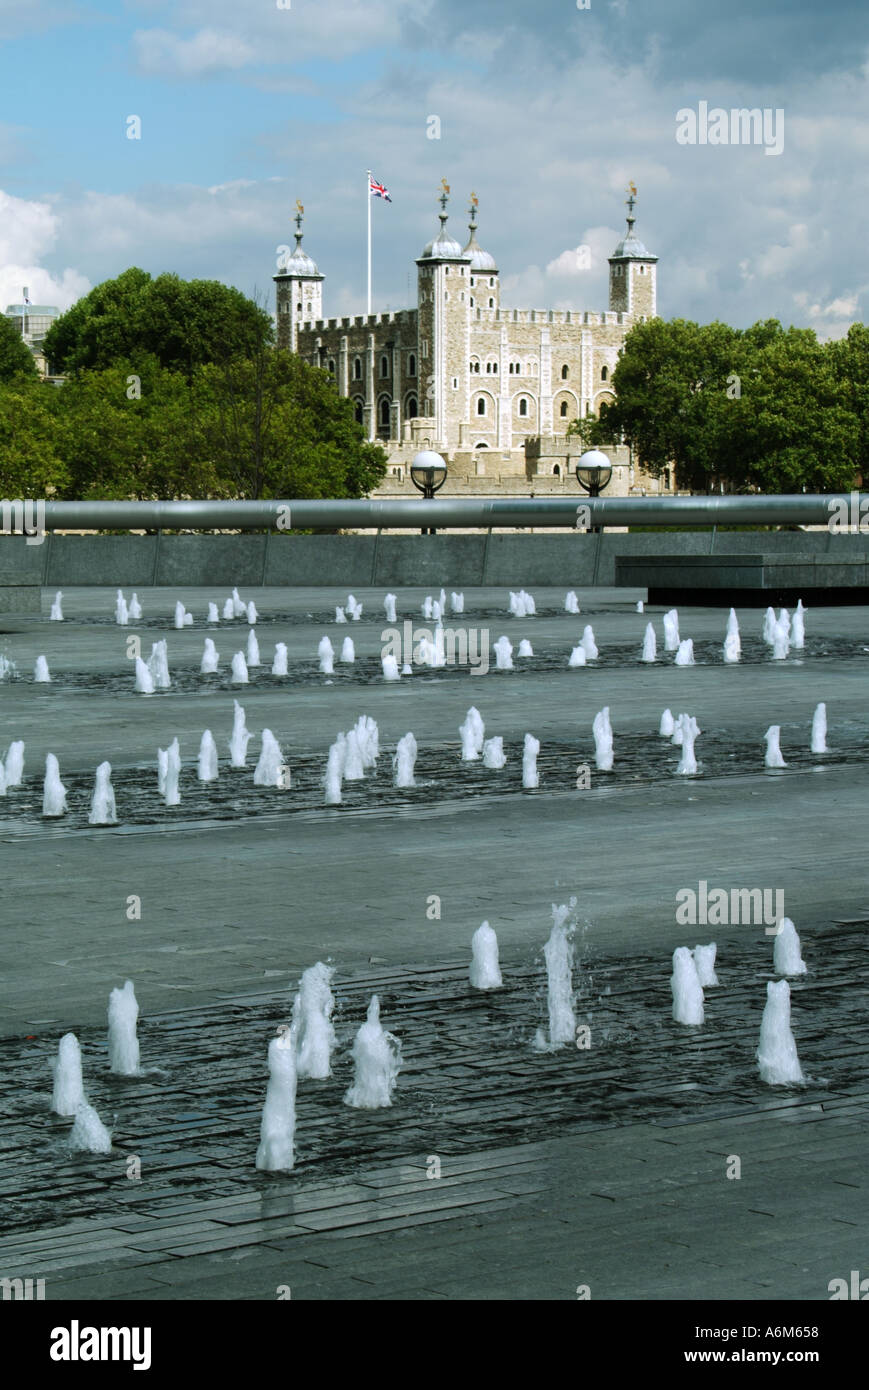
(588, 643)
(650, 644)
(571, 602)
(68, 1087)
(798, 629)
(686, 987)
(404, 761)
(171, 774)
(472, 733)
(123, 1043)
(777, 1058)
(103, 810)
(326, 654)
(239, 670)
(228, 609)
(252, 649)
(427, 607)
(348, 651)
(671, 630)
(206, 769)
(122, 615)
(56, 614)
(213, 615)
(335, 770)
(239, 609)
(685, 654)
(210, 658)
(781, 641)
(558, 952)
(457, 603)
(786, 954)
(667, 725)
(390, 668)
(768, 626)
(389, 608)
(377, 1055)
(278, 1125)
(525, 648)
(436, 612)
(503, 654)
(366, 731)
(7, 668)
(312, 1013)
(89, 1134)
(688, 763)
(340, 615)
(577, 657)
(135, 608)
(271, 770)
(158, 665)
(493, 753)
(279, 665)
(251, 613)
(144, 680)
(41, 673)
(641, 607)
(704, 959)
(603, 740)
(239, 738)
(773, 757)
(354, 768)
(485, 972)
(732, 647)
(530, 775)
(819, 729)
(180, 615)
(53, 791)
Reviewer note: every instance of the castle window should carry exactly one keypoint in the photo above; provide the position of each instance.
(491, 281)
(411, 365)
(481, 406)
(383, 412)
(425, 347)
(358, 407)
(332, 365)
(473, 282)
(642, 270)
(603, 373)
(357, 368)
(523, 406)
(412, 409)
(557, 470)
(563, 409)
(298, 308)
(384, 365)
(446, 270)
(455, 383)
(565, 372)
(510, 369)
(472, 298)
(491, 303)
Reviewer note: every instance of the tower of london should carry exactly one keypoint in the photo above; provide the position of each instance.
(490, 387)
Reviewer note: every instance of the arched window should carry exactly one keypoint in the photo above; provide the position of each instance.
(332, 365)
(357, 368)
(383, 412)
(491, 281)
(563, 409)
(481, 406)
(412, 410)
(472, 298)
(523, 405)
(473, 283)
(358, 408)
(384, 365)
(298, 308)
(411, 364)
(565, 372)
(491, 303)
(557, 470)
(603, 373)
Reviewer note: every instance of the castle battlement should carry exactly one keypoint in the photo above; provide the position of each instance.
(543, 316)
(399, 316)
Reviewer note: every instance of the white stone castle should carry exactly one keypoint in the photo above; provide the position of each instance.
(493, 389)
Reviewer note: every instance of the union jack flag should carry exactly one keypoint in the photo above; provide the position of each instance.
(377, 190)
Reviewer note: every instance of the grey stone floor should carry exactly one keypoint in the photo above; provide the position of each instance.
(628, 1196)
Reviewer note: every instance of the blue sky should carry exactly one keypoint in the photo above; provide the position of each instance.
(546, 111)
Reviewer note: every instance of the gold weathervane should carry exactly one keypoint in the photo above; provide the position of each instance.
(445, 186)
(632, 188)
(299, 207)
(475, 200)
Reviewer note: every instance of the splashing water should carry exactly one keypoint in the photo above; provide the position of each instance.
(485, 971)
(68, 1091)
(312, 1013)
(577, 657)
(41, 673)
(404, 761)
(530, 775)
(279, 665)
(377, 1055)
(773, 757)
(571, 603)
(390, 668)
(53, 791)
(278, 1125)
(493, 753)
(671, 630)
(787, 955)
(135, 608)
(326, 654)
(503, 654)
(685, 654)
(252, 649)
(103, 810)
(777, 1058)
(271, 770)
(603, 740)
(206, 769)
(239, 670)
(667, 725)
(348, 651)
(56, 614)
(650, 644)
(687, 990)
(239, 738)
(472, 733)
(210, 658)
(89, 1134)
(704, 959)
(588, 643)
(389, 608)
(819, 729)
(123, 1043)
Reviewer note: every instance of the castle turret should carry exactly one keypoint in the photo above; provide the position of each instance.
(633, 288)
(299, 289)
(444, 326)
(485, 284)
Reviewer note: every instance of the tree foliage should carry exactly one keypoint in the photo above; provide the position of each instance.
(16, 359)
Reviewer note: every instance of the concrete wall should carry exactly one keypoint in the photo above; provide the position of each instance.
(507, 558)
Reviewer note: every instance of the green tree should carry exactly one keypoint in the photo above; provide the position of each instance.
(30, 463)
(16, 359)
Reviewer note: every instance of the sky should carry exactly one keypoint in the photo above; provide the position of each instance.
(546, 111)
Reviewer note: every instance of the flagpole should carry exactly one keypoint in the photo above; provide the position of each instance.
(368, 196)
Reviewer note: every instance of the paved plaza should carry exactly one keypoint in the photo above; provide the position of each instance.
(604, 1167)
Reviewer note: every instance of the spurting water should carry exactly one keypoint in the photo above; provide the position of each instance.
(704, 959)
(525, 648)
(89, 1134)
(335, 771)
(144, 679)
(172, 795)
(14, 766)
(312, 1013)
(68, 1086)
(571, 602)
(377, 1055)
(122, 615)
(650, 644)
(213, 615)
(158, 665)
(768, 626)
(485, 970)
(577, 657)
(239, 738)
(348, 651)
(103, 810)
(340, 615)
(773, 757)
(558, 952)
(732, 647)
(123, 1043)
(588, 643)
(239, 609)
(278, 1124)
(641, 607)
(271, 770)
(279, 665)
(404, 761)
(530, 775)
(686, 987)
(390, 668)
(671, 630)
(787, 955)
(354, 768)
(685, 654)
(503, 654)
(326, 654)
(239, 670)
(667, 725)
(427, 607)
(210, 658)
(781, 641)
(228, 609)
(251, 613)
(472, 733)
(180, 614)
(603, 740)
(457, 603)
(819, 729)
(53, 790)
(493, 752)
(798, 629)
(56, 614)
(688, 763)
(41, 674)
(252, 649)
(777, 1058)
(206, 768)
(135, 608)
(389, 607)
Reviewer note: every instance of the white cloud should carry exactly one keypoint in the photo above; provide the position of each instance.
(163, 54)
(28, 231)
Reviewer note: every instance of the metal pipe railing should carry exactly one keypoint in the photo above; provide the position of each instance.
(807, 509)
